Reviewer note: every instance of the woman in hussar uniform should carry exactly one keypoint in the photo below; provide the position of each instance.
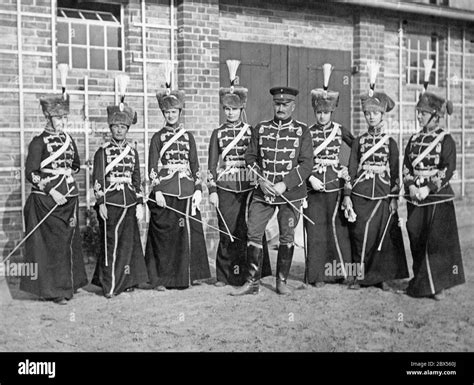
(55, 246)
(328, 240)
(429, 165)
(119, 204)
(230, 184)
(377, 243)
(176, 254)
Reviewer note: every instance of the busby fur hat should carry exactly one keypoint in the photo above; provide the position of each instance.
(375, 101)
(235, 97)
(321, 98)
(434, 104)
(379, 101)
(55, 105)
(325, 101)
(116, 116)
(170, 99)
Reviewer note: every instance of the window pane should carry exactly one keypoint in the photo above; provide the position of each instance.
(114, 60)
(97, 59)
(73, 14)
(106, 17)
(79, 57)
(63, 54)
(96, 34)
(413, 77)
(433, 78)
(89, 15)
(78, 34)
(62, 33)
(113, 37)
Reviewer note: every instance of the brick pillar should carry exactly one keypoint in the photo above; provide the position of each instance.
(368, 44)
(198, 76)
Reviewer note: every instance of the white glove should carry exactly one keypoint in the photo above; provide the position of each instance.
(197, 197)
(316, 184)
(59, 198)
(423, 193)
(214, 199)
(413, 192)
(139, 212)
(160, 199)
(305, 203)
(350, 214)
(346, 203)
(103, 211)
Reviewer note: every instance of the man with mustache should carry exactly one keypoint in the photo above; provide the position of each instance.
(280, 154)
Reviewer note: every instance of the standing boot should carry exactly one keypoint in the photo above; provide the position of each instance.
(254, 271)
(285, 256)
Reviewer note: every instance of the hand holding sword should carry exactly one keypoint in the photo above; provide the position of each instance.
(276, 189)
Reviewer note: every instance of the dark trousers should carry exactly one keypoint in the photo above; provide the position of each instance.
(260, 214)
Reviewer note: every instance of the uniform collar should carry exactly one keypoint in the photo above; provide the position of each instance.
(51, 131)
(430, 130)
(282, 121)
(233, 124)
(175, 128)
(376, 130)
(324, 126)
(120, 144)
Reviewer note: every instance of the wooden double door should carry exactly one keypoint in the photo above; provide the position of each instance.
(264, 66)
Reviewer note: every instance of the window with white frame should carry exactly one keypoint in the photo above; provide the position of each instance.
(420, 47)
(89, 39)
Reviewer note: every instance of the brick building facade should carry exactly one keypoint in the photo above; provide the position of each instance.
(198, 35)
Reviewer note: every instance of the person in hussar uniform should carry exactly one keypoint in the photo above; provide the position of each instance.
(176, 254)
(429, 165)
(280, 154)
(119, 204)
(230, 184)
(328, 240)
(371, 196)
(55, 246)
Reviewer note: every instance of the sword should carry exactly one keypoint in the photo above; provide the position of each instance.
(225, 224)
(282, 196)
(34, 229)
(197, 220)
(105, 196)
(385, 231)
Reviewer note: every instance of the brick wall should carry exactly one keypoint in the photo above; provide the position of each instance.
(198, 76)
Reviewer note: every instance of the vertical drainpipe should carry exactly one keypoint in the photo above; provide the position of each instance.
(172, 37)
(448, 78)
(400, 101)
(53, 44)
(145, 97)
(86, 138)
(22, 111)
(463, 111)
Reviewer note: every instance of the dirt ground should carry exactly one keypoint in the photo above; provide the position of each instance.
(206, 318)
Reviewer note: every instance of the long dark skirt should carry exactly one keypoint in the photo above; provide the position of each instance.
(55, 246)
(176, 253)
(125, 260)
(231, 256)
(366, 234)
(434, 242)
(328, 246)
